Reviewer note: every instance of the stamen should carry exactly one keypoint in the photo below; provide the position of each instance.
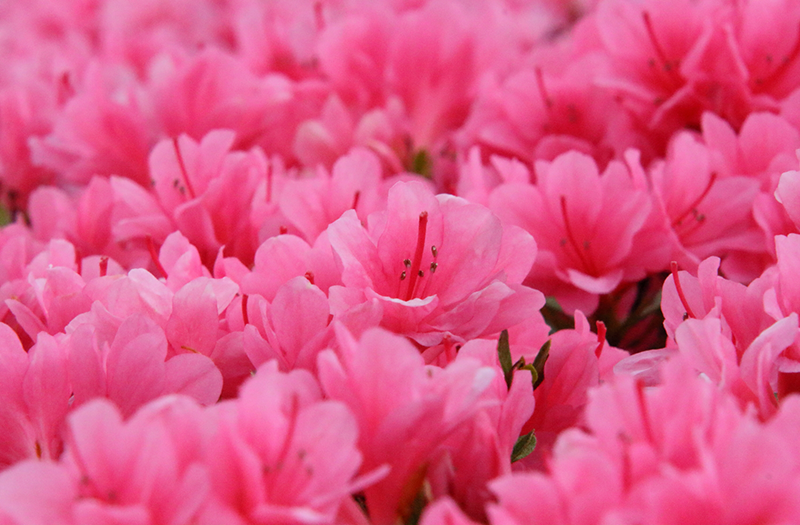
(434, 266)
(403, 276)
(319, 16)
(417, 261)
(103, 265)
(601, 338)
(269, 182)
(679, 288)
(151, 247)
(584, 257)
(434, 251)
(785, 63)
(183, 167)
(78, 261)
(692, 209)
(407, 263)
(648, 24)
(546, 98)
(642, 401)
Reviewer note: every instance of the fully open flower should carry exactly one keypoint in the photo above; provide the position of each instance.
(436, 264)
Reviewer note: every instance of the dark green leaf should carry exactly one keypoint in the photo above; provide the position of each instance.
(538, 363)
(5, 216)
(524, 446)
(421, 163)
(504, 354)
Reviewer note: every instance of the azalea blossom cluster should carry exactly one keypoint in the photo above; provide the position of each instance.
(410, 261)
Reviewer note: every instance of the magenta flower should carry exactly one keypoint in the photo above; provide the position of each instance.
(281, 453)
(436, 264)
(383, 379)
(593, 230)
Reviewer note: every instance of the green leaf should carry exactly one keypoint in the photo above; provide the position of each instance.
(524, 446)
(522, 365)
(422, 163)
(538, 363)
(5, 216)
(504, 354)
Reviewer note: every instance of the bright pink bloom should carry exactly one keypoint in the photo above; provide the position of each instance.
(281, 453)
(138, 471)
(593, 230)
(483, 446)
(203, 187)
(705, 212)
(262, 111)
(103, 130)
(311, 204)
(36, 493)
(384, 381)
(538, 114)
(36, 397)
(436, 264)
(578, 361)
(677, 453)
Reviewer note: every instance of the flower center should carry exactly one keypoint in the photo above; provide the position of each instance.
(411, 279)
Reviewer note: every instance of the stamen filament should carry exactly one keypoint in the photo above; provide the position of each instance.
(584, 258)
(601, 338)
(416, 262)
(679, 288)
(182, 166)
(151, 247)
(693, 206)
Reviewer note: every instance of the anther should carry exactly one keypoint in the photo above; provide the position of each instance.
(182, 167)
(421, 273)
(417, 260)
(407, 263)
(434, 251)
(433, 267)
(402, 276)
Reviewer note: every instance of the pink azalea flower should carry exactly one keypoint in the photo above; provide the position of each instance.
(311, 204)
(594, 231)
(103, 130)
(136, 471)
(383, 379)
(483, 445)
(35, 393)
(541, 113)
(579, 360)
(436, 265)
(676, 453)
(705, 213)
(21, 118)
(36, 493)
(282, 453)
(261, 110)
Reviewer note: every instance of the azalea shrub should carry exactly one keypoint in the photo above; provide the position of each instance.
(399, 262)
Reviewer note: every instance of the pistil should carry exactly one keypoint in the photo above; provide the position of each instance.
(414, 273)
